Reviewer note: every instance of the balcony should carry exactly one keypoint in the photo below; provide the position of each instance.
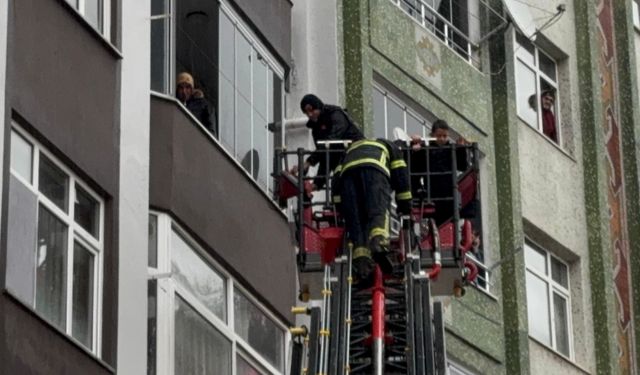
(201, 185)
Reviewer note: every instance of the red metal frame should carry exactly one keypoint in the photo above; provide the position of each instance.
(377, 306)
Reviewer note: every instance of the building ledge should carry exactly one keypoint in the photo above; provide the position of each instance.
(106, 43)
(39, 317)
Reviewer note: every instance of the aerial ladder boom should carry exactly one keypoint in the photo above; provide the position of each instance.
(395, 326)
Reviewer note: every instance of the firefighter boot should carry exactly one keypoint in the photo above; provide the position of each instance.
(363, 266)
(382, 255)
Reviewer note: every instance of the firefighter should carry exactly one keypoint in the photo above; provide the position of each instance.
(362, 187)
(327, 123)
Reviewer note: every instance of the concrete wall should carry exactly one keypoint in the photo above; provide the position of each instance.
(65, 93)
(551, 176)
(636, 40)
(552, 188)
(31, 346)
(314, 53)
(133, 209)
(210, 194)
(545, 361)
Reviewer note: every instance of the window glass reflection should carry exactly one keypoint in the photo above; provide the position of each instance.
(258, 330)
(528, 101)
(83, 269)
(561, 324)
(53, 183)
(195, 275)
(159, 47)
(199, 347)
(87, 211)
(378, 114)
(21, 156)
(51, 268)
(243, 367)
(559, 272)
(93, 13)
(395, 115)
(535, 259)
(538, 309)
(547, 65)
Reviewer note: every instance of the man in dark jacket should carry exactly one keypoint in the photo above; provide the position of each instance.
(195, 101)
(327, 123)
(362, 187)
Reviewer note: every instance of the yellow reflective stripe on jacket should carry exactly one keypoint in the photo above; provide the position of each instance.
(365, 142)
(361, 252)
(398, 164)
(379, 232)
(405, 195)
(379, 163)
(337, 199)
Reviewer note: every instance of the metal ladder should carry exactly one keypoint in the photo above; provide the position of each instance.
(393, 328)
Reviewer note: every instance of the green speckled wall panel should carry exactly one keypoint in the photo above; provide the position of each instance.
(603, 305)
(506, 129)
(424, 58)
(479, 322)
(464, 354)
(630, 128)
(355, 56)
(378, 39)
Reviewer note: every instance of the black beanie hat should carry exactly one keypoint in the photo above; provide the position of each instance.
(311, 100)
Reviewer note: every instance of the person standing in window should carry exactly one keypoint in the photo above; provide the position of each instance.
(327, 123)
(547, 100)
(194, 100)
(548, 117)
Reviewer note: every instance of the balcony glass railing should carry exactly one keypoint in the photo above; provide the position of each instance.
(238, 89)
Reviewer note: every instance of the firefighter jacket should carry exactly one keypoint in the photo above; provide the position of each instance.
(333, 124)
(382, 155)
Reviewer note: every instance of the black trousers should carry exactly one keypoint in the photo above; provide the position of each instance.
(366, 195)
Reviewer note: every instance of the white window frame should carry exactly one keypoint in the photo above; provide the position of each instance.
(635, 14)
(389, 96)
(75, 233)
(167, 289)
(273, 66)
(553, 287)
(170, 45)
(106, 16)
(538, 75)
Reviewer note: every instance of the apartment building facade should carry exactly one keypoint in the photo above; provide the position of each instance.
(559, 232)
(135, 240)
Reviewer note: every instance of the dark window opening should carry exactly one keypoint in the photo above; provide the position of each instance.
(197, 54)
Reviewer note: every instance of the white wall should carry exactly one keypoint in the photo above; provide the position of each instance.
(4, 9)
(314, 49)
(552, 189)
(133, 208)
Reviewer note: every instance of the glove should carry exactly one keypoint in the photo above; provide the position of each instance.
(309, 187)
(404, 207)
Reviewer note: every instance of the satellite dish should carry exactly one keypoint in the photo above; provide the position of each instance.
(520, 15)
(400, 135)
